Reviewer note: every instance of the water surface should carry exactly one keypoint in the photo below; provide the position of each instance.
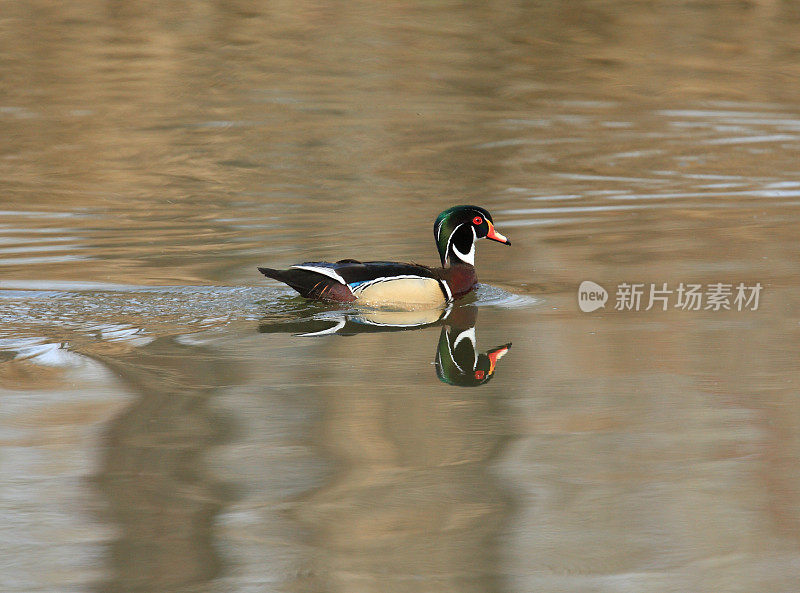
(166, 427)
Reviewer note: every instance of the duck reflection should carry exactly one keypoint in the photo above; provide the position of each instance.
(413, 502)
(457, 361)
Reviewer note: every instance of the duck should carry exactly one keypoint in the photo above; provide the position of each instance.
(388, 284)
(457, 360)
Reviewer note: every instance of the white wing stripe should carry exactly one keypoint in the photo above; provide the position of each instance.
(369, 283)
(330, 273)
(324, 332)
(324, 271)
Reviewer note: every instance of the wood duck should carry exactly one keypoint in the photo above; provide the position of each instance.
(402, 285)
(457, 361)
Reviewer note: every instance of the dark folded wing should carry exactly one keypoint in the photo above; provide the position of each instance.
(352, 272)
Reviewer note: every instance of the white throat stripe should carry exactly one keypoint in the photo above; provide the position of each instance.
(465, 257)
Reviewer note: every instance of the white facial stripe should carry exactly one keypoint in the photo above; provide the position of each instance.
(329, 272)
(439, 229)
(450, 352)
(467, 334)
(449, 240)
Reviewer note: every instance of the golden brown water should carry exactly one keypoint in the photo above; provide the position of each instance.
(162, 426)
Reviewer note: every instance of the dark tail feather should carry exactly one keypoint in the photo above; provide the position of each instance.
(271, 273)
(287, 277)
(310, 284)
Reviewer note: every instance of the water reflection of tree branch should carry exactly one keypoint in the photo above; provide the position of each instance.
(152, 473)
(413, 502)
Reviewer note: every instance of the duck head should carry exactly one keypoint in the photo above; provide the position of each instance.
(456, 230)
(459, 363)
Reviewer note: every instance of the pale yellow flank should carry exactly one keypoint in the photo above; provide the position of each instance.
(417, 293)
(403, 318)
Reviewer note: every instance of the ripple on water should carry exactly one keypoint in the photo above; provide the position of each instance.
(37, 319)
(125, 313)
(488, 295)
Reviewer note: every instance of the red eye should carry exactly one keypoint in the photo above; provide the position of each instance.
(479, 375)
(477, 220)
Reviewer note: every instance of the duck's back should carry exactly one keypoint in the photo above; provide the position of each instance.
(372, 283)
